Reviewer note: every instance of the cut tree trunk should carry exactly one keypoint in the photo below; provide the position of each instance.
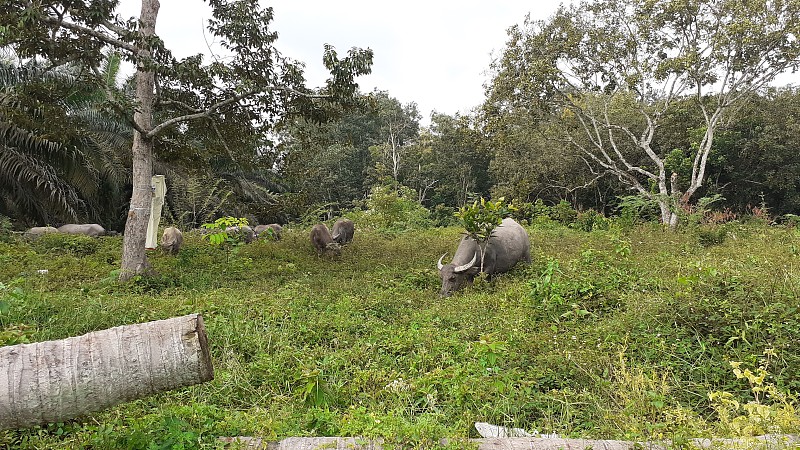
(54, 381)
(134, 257)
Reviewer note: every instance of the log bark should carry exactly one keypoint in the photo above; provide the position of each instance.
(54, 381)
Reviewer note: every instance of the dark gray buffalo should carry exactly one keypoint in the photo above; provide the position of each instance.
(86, 229)
(508, 245)
(322, 241)
(343, 231)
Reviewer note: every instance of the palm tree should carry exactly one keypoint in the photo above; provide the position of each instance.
(61, 157)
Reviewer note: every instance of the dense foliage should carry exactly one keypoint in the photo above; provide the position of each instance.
(288, 156)
(620, 332)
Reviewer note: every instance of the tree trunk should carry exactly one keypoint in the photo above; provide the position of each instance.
(54, 381)
(134, 257)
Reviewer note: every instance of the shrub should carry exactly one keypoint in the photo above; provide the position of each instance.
(5, 229)
(591, 220)
(443, 216)
(524, 213)
(540, 209)
(711, 235)
(635, 209)
(395, 208)
(480, 219)
(563, 212)
(73, 244)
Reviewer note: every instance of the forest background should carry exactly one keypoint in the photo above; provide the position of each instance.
(67, 153)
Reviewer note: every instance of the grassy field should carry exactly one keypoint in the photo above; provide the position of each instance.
(607, 334)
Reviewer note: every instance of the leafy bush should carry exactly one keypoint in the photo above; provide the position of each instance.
(540, 209)
(635, 209)
(5, 229)
(393, 208)
(696, 214)
(72, 244)
(591, 220)
(563, 213)
(443, 216)
(770, 411)
(524, 212)
(481, 219)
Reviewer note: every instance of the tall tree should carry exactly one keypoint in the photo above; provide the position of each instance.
(755, 161)
(613, 68)
(450, 161)
(337, 162)
(399, 126)
(254, 87)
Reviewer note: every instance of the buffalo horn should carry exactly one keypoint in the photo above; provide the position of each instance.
(439, 264)
(466, 266)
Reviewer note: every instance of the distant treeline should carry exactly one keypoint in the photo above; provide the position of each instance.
(66, 158)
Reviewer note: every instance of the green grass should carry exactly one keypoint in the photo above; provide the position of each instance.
(607, 334)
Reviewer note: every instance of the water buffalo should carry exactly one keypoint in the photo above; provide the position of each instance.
(322, 241)
(508, 245)
(171, 240)
(88, 229)
(247, 234)
(262, 230)
(342, 232)
(35, 232)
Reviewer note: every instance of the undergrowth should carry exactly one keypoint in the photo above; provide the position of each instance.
(627, 334)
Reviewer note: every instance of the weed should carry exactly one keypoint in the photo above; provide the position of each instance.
(770, 411)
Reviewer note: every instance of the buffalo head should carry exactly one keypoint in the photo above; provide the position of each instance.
(455, 277)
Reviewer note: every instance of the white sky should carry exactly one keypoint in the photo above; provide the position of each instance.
(434, 53)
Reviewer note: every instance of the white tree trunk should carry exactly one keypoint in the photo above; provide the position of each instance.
(134, 257)
(54, 381)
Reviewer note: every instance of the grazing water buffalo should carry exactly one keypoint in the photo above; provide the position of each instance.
(508, 245)
(87, 229)
(261, 231)
(247, 233)
(35, 232)
(171, 240)
(342, 232)
(322, 241)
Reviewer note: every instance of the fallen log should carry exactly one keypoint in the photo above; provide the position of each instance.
(54, 381)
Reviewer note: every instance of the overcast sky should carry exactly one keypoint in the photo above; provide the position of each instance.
(434, 53)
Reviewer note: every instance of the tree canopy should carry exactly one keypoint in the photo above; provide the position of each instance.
(611, 70)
